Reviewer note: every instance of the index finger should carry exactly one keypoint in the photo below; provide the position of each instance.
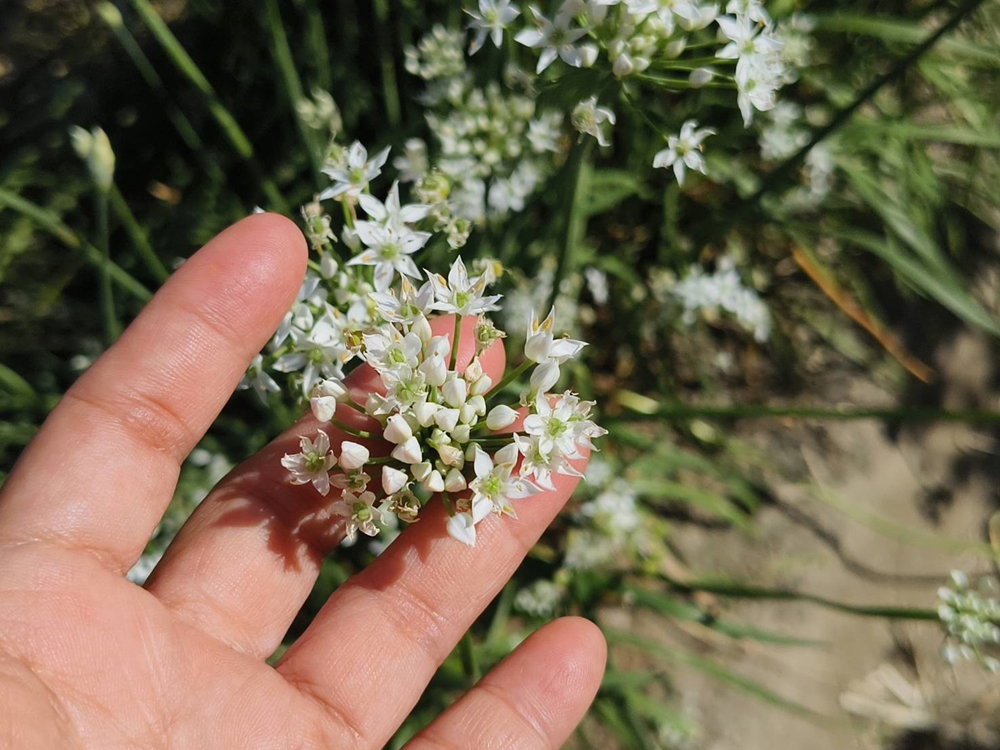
(101, 471)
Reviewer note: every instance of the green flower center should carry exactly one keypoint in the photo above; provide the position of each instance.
(491, 486)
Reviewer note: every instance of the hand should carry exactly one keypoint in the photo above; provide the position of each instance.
(87, 659)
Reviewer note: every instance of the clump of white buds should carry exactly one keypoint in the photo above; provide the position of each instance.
(435, 428)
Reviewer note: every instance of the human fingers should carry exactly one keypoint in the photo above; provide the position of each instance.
(532, 700)
(103, 467)
(248, 557)
(382, 635)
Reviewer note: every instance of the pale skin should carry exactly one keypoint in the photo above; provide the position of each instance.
(90, 660)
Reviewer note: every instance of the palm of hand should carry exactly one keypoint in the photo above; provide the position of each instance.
(87, 659)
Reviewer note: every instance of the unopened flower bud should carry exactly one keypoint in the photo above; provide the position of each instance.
(374, 403)
(500, 417)
(676, 47)
(461, 434)
(434, 482)
(701, 76)
(474, 371)
(455, 391)
(439, 346)
(397, 430)
(467, 414)
(95, 150)
(110, 14)
(622, 66)
(421, 470)
(435, 370)
(408, 451)
(325, 397)
(353, 455)
(588, 55)
(332, 388)
(328, 266)
(481, 386)
(351, 239)
(451, 456)
(425, 412)
(447, 419)
(544, 377)
(393, 480)
(479, 404)
(422, 327)
(455, 481)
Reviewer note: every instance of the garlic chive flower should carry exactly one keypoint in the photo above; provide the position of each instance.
(440, 430)
(312, 464)
(490, 21)
(460, 295)
(589, 119)
(554, 39)
(353, 172)
(683, 151)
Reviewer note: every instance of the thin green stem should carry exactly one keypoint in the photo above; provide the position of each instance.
(292, 83)
(454, 342)
(634, 106)
(390, 90)
(470, 664)
(319, 49)
(573, 224)
(51, 223)
(222, 116)
(363, 434)
(348, 215)
(509, 378)
(740, 590)
(142, 63)
(136, 233)
(680, 84)
(350, 403)
(679, 412)
(112, 328)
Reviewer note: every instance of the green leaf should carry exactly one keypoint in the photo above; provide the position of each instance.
(923, 279)
(681, 610)
(716, 670)
(14, 384)
(663, 491)
(908, 32)
(607, 188)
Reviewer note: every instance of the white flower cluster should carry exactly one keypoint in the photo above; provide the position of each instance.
(375, 307)
(611, 523)
(439, 55)
(640, 36)
(442, 423)
(540, 599)
(971, 618)
(493, 147)
(723, 291)
(334, 305)
(784, 132)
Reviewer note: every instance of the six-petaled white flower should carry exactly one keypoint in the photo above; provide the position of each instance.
(490, 21)
(684, 151)
(354, 173)
(312, 463)
(555, 38)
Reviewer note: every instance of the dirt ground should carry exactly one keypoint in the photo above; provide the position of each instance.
(879, 685)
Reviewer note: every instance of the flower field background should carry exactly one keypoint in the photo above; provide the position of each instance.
(776, 225)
